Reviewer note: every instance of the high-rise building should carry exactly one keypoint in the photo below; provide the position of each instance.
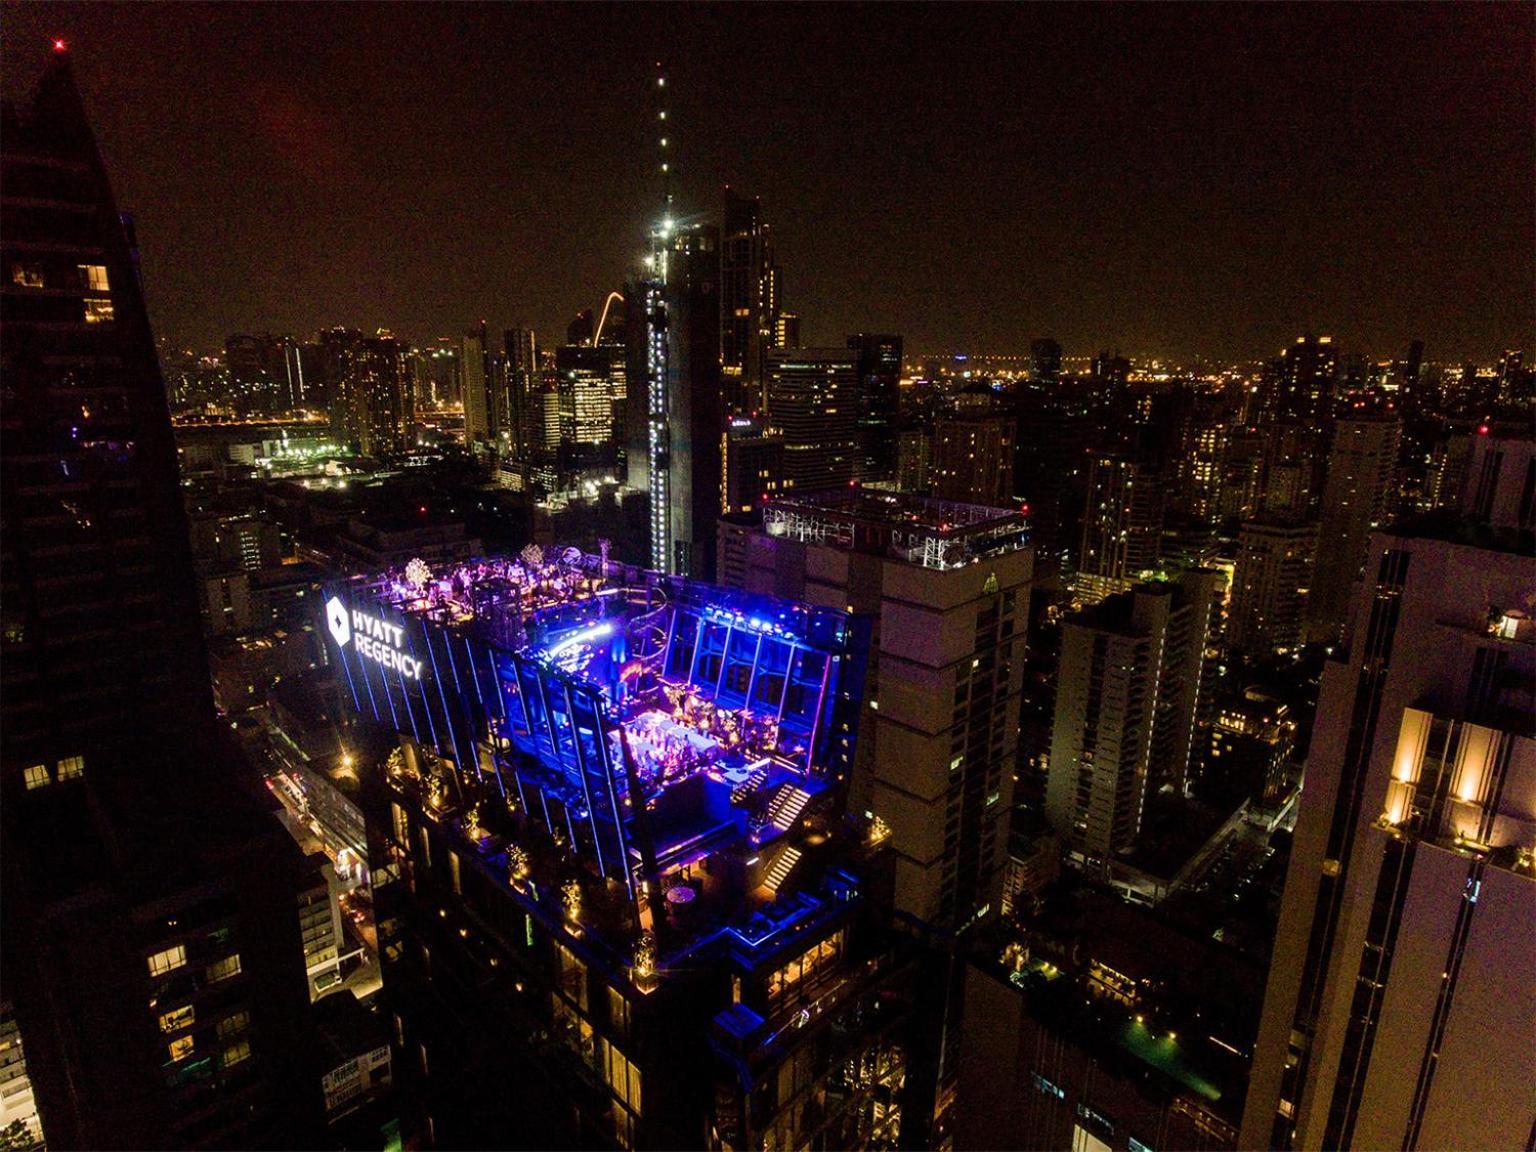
(376, 401)
(591, 387)
(1360, 471)
(754, 467)
(1414, 387)
(914, 459)
(1270, 582)
(1122, 525)
(813, 403)
(749, 302)
(1399, 1009)
(948, 587)
(1045, 361)
(786, 330)
(150, 922)
(1514, 384)
(673, 409)
(439, 371)
(480, 425)
(100, 613)
(973, 458)
(521, 367)
(879, 370)
(1051, 476)
(1127, 696)
(1249, 751)
(1300, 383)
(620, 899)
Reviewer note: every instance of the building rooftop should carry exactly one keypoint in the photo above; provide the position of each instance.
(670, 757)
(918, 529)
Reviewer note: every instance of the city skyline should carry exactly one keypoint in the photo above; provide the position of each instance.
(1297, 166)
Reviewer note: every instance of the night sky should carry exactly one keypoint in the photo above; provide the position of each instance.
(1167, 180)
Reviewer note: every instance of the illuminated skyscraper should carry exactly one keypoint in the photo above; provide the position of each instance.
(677, 456)
(1126, 702)
(813, 402)
(973, 458)
(591, 388)
(1122, 525)
(376, 402)
(1399, 1009)
(521, 370)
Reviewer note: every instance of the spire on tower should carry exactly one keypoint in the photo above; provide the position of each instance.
(664, 159)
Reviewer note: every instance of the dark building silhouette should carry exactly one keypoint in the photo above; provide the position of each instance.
(1045, 361)
(582, 329)
(1300, 383)
(1051, 477)
(879, 368)
(150, 933)
(521, 361)
(749, 302)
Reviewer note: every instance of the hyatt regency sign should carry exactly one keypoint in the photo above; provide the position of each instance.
(370, 637)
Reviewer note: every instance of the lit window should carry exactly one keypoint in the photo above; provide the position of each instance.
(180, 1048)
(168, 961)
(235, 1053)
(27, 275)
(98, 311)
(37, 777)
(93, 277)
(178, 1018)
(71, 766)
(234, 1025)
(223, 969)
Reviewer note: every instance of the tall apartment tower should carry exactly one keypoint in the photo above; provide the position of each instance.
(1270, 584)
(1399, 1010)
(475, 372)
(948, 588)
(377, 396)
(1355, 501)
(973, 458)
(813, 403)
(879, 367)
(1122, 525)
(1301, 381)
(150, 926)
(749, 302)
(1126, 700)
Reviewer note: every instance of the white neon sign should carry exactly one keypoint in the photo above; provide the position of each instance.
(377, 640)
